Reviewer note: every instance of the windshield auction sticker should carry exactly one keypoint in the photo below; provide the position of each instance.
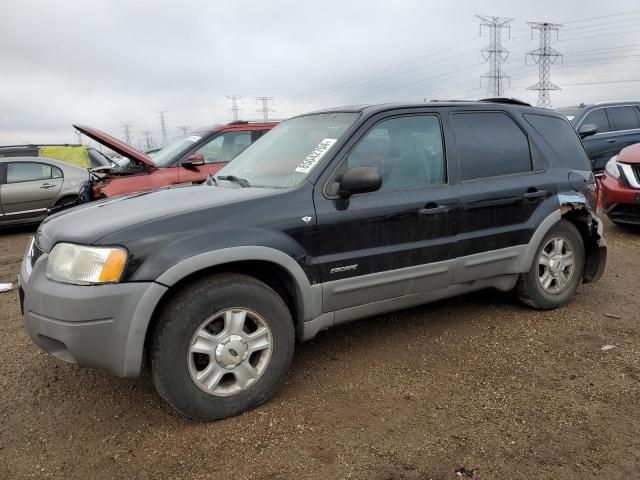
(315, 156)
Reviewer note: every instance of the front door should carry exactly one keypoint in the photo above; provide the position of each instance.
(398, 240)
(29, 189)
(216, 153)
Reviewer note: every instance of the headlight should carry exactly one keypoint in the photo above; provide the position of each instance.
(612, 167)
(83, 265)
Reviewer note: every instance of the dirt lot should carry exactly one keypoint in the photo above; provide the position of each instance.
(479, 381)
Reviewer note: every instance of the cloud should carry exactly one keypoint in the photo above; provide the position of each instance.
(106, 62)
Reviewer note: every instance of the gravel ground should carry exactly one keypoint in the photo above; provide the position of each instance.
(479, 382)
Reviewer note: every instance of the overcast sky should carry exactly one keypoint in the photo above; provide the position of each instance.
(103, 63)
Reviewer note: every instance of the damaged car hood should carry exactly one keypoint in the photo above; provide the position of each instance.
(116, 145)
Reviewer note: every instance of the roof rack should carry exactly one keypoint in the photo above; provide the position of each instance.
(508, 101)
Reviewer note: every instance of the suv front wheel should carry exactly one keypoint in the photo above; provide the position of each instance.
(221, 346)
(557, 269)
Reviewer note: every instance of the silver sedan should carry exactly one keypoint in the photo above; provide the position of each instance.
(31, 187)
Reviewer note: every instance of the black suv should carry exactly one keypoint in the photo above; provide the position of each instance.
(330, 217)
(607, 127)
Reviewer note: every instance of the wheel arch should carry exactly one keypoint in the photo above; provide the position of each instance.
(272, 267)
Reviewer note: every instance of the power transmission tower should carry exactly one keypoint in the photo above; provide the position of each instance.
(264, 109)
(78, 135)
(163, 126)
(234, 105)
(148, 139)
(495, 54)
(126, 128)
(544, 56)
(185, 129)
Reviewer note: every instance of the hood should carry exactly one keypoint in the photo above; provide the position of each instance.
(89, 222)
(630, 154)
(115, 145)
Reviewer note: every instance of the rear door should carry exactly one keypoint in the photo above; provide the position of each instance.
(216, 153)
(625, 126)
(29, 189)
(503, 192)
(396, 241)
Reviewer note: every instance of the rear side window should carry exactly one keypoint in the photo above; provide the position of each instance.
(490, 144)
(27, 172)
(562, 139)
(623, 118)
(599, 118)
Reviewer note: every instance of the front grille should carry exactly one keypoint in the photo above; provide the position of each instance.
(35, 253)
(636, 172)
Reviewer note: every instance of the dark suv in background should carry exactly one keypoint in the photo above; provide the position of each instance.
(617, 124)
(332, 216)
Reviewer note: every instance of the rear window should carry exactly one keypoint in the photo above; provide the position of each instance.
(623, 118)
(562, 139)
(490, 144)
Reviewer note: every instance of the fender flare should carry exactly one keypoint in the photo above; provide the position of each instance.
(309, 302)
(525, 262)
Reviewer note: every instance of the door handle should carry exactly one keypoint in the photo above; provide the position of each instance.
(612, 140)
(46, 185)
(534, 193)
(432, 208)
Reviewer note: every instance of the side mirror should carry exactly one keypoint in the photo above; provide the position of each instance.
(192, 162)
(360, 180)
(587, 130)
(102, 169)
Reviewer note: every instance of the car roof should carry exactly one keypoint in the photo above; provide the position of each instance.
(488, 104)
(586, 106)
(238, 125)
(58, 163)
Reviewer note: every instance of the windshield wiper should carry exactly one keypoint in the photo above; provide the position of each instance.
(211, 180)
(243, 182)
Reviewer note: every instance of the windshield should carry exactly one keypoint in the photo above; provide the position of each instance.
(571, 113)
(286, 155)
(166, 155)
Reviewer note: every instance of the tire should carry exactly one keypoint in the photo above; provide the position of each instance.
(214, 306)
(66, 202)
(530, 287)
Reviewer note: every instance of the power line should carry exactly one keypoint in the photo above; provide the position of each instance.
(234, 105)
(544, 56)
(163, 126)
(264, 109)
(495, 54)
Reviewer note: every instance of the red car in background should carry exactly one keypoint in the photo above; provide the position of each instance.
(189, 159)
(620, 185)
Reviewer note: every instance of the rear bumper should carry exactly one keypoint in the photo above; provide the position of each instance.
(94, 326)
(620, 203)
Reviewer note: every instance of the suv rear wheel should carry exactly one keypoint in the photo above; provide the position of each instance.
(557, 269)
(221, 346)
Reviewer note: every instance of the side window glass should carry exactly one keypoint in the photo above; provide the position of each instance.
(562, 139)
(408, 152)
(623, 118)
(490, 144)
(599, 118)
(225, 146)
(27, 172)
(56, 172)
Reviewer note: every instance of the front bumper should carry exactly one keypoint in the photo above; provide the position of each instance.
(620, 203)
(100, 326)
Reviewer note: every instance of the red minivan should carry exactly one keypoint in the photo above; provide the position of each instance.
(189, 159)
